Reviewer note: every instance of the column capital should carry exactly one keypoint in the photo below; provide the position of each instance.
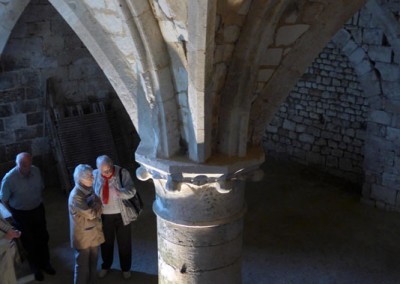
(220, 169)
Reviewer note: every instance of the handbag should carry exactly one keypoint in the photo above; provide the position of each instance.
(135, 203)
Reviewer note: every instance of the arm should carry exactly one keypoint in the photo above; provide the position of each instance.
(5, 192)
(8, 230)
(128, 190)
(4, 225)
(78, 207)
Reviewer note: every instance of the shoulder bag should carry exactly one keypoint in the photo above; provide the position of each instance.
(134, 203)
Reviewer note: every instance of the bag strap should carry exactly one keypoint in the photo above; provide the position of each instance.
(120, 177)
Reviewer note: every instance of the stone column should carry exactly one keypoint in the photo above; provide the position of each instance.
(200, 209)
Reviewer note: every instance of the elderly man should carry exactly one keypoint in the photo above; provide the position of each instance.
(21, 191)
(113, 184)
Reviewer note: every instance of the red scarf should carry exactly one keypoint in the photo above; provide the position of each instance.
(106, 190)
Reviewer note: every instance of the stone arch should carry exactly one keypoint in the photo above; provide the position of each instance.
(10, 11)
(361, 63)
(141, 79)
(306, 46)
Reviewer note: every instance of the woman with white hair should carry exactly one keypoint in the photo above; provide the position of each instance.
(85, 225)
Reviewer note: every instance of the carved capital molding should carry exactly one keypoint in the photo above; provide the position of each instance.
(219, 172)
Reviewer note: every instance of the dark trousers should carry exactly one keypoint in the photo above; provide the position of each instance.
(113, 227)
(34, 235)
(85, 265)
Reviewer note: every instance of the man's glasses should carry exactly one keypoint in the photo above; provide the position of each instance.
(107, 171)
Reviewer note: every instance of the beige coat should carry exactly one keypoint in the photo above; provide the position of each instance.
(85, 224)
(7, 258)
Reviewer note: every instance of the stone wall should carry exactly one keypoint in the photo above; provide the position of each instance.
(347, 122)
(43, 46)
(323, 120)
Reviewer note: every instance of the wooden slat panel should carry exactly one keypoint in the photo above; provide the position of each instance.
(84, 138)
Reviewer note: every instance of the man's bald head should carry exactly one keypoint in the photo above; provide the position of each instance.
(24, 163)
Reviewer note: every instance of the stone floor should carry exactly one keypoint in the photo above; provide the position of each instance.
(301, 227)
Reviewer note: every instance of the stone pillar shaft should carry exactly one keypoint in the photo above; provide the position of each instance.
(199, 234)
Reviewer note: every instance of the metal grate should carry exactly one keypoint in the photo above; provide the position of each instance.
(81, 138)
(84, 138)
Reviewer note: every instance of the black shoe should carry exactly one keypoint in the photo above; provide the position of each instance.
(49, 269)
(39, 276)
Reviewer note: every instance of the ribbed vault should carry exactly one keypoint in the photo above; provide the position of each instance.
(163, 58)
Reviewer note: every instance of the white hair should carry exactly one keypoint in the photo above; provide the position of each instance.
(104, 160)
(82, 171)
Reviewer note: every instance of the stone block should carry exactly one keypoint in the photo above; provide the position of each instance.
(26, 106)
(272, 129)
(33, 93)
(362, 67)
(337, 153)
(380, 53)
(373, 36)
(306, 138)
(34, 118)
(396, 121)
(55, 45)
(314, 131)
(272, 57)
(341, 38)
(265, 74)
(389, 72)
(365, 18)
(28, 133)
(2, 154)
(391, 89)
(28, 78)
(381, 117)
(297, 118)
(332, 144)
(14, 122)
(44, 63)
(41, 27)
(8, 80)
(289, 125)
(7, 137)
(357, 55)
(82, 69)
(393, 134)
(68, 57)
(326, 134)
(6, 110)
(349, 47)
(287, 35)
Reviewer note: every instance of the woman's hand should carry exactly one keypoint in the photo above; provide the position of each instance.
(12, 234)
